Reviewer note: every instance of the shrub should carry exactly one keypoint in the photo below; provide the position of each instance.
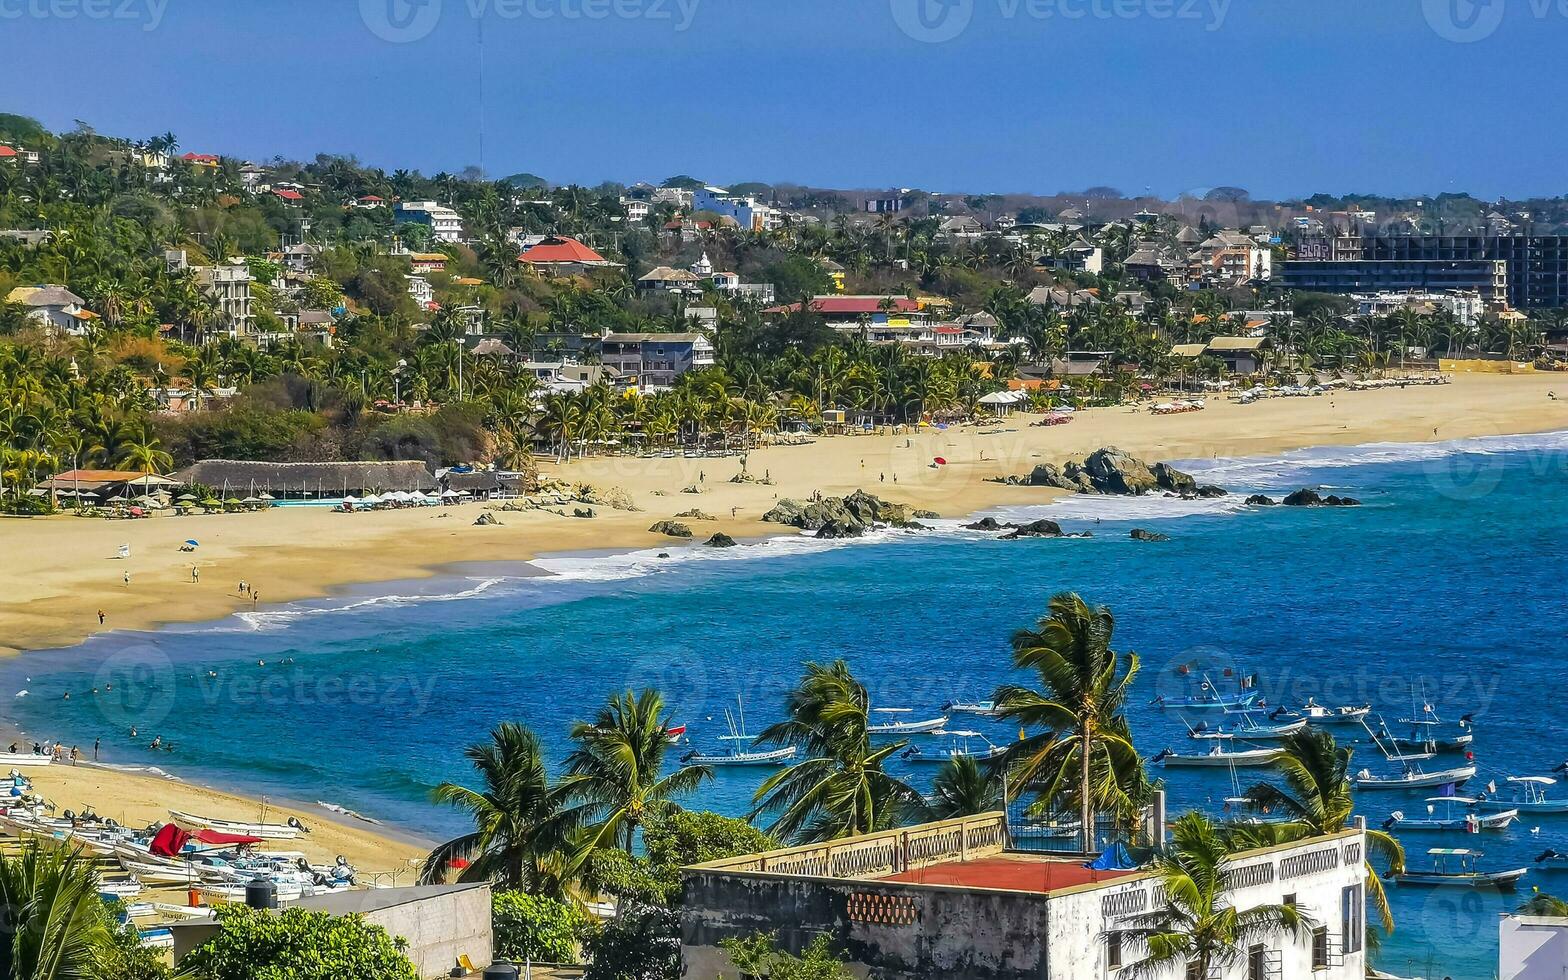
(296, 944)
(643, 942)
(535, 929)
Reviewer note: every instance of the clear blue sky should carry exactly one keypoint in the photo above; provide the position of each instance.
(1283, 97)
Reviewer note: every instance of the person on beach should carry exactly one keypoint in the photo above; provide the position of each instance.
(100, 617)
(96, 743)
(127, 578)
(157, 742)
(195, 575)
(76, 754)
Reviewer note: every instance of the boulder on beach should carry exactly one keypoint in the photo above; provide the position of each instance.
(1310, 498)
(1139, 534)
(486, 519)
(1170, 478)
(673, 529)
(695, 515)
(840, 529)
(860, 511)
(925, 515)
(988, 524)
(1261, 500)
(721, 540)
(1111, 471)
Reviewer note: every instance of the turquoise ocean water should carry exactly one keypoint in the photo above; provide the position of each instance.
(1448, 585)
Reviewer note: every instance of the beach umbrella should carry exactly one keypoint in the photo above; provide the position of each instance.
(372, 499)
(450, 494)
(193, 542)
(234, 500)
(251, 500)
(351, 499)
(268, 496)
(186, 498)
(939, 461)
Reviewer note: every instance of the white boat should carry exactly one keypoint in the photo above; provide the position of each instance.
(1321, 714)
(773, 757)
(1466, 876)
(157, 938)
(1218, 757)
(25, 759)
(1452, 813)
(925, 727)
(1208, 699)
(985, 709)
(271, 831)
(122, 889)
(154, 874)
(959, 749)
(288, 891)
(1529, 796)
(1249, 729)
(1413, 778)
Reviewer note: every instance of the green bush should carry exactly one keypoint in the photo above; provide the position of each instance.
(536, 929)
(759, 956)
(296, 944)
(643, 942)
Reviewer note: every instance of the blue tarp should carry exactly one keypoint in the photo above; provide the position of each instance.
(1113, 858)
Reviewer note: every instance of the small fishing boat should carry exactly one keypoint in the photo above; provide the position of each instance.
(985, 709)
(1209, 698)
(157, 938)
(1529, 796)
(1465, 874)
(1218, 757)
(121, 888)
(773, 757)
(959, 749)
(1249, 728)
(288, 891)
(1452, 813)
(271, 831)
(1551, 860)
(925, 727)
(25, 759)
(1414, 778)
(1322, 714)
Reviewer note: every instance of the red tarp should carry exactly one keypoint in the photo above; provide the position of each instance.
(168, 841)
(217, 837)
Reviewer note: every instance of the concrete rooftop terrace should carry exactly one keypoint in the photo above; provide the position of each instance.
(1009, 871)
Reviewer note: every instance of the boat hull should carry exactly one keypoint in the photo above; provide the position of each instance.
(1501, 880)
(1424, 781)
(1221, 761)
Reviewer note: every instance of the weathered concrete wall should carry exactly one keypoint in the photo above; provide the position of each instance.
(889, 931)
(442, 928)
(1532, 948)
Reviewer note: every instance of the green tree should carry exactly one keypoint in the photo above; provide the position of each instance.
(617, 770)
(54, 927)
(1196, 927)
(839, 788)
(297, 944)
(535, 928)
(523, 826)
(1316, 801)
(1085, 752)
(759, 955)
(964, 788)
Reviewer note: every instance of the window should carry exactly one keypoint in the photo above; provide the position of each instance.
(1113, 949)
(1194, 970)
(1320, 948)
(1352, 915)
(1290, 900)
(1257, 963)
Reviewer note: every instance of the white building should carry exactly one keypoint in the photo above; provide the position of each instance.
(56, 307)
(636, 210)
(229, 286)
(1466, 306)
(746, 211)
(419, 287)
(445, 224)
(1532, 947)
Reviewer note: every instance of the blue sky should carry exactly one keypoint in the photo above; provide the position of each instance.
(1283, 97)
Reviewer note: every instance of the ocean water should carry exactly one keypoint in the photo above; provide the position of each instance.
(1447, 586)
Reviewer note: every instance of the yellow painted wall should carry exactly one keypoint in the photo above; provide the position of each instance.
(1484, 367)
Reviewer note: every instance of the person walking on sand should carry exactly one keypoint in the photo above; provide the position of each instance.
(127, 578)
(195, 575)
(100, 617)
(76, 754)
(96, 743)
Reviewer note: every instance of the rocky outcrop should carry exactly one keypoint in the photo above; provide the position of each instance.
(695, 515)
(673, 529)
(859, 511)
(1112, 471)
(925, 515)
(485, 520)
(1310, 498)
(1139, 534)
(1261, 500)
(1035, 529)
(721, 540)
(988, 524)
(840, 529)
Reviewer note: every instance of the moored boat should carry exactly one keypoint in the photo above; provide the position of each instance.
(1452, 813)
(773, 757)
(924, 727)
(1218, 757)
(1414, 778)
(1465, 874)
(271, 831)
(1529, 796)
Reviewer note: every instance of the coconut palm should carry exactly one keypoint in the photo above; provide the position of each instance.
(1196, 927)
(617, 773)
(963, 788)
(1316, 801)
(839, 788)
(54, 927)
(143, 452)
(1084, 750)
(522, 821)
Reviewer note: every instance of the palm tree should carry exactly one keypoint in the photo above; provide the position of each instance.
(1085, 752)
(1543, 904)
(839, 788)
(1196, 927)
(54, 927)
(143, 452)
(1317, 776)
(522, 824)
(963, 788)
(617, 769)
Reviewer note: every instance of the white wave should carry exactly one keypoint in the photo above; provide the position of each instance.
(1295, 466)
(1095, 507)
(273, 619)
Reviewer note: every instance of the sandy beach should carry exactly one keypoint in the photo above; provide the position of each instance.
(63, 570)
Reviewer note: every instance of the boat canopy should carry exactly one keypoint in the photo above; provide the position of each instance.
(1466, 800)
(1538, 780)
(207, 836)
(1453, 852)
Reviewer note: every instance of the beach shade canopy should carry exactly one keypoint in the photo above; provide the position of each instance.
(350, 499)
(939, 460)
(193, 542)
(251, 500)
(168, 841)
(207, 836)
(267, 496)
(212, 502)
(449, 494)
(186, 498)
(234, 500)
(372, 499)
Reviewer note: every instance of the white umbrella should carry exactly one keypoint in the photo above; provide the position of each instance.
(449, 494)
(351, 499)
(372, 499)
(268, 496)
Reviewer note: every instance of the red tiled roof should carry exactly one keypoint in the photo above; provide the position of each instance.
(1009, 873)
(200, 157)
(6, 151)
(559, 250)
(851, 305)
(370, 197)
(289, 195)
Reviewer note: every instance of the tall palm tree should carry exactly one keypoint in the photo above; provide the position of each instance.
(617, 770)
(1316, 802)
(1197, 927)
(522, 822)
(1085, 752)
(839, 788)
(54, 927)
